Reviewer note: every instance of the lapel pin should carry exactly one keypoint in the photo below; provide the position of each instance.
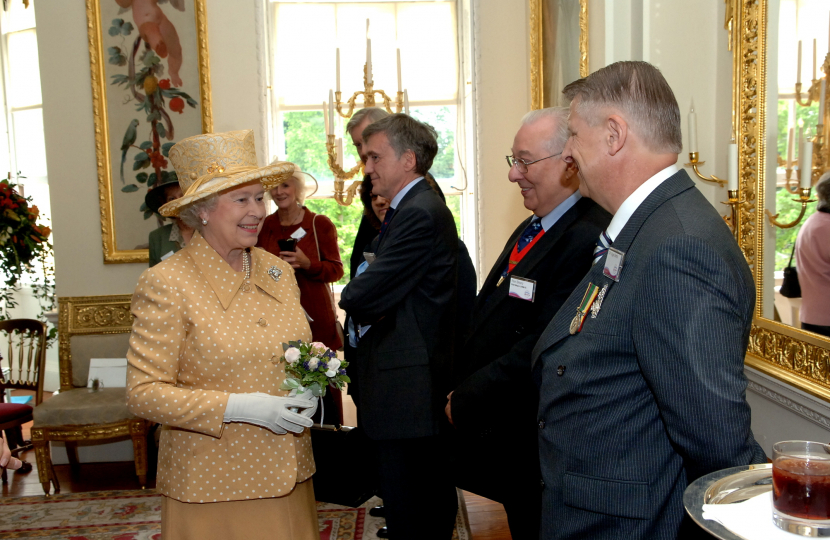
(275, 273)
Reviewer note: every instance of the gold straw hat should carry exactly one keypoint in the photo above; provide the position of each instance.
(310, 182)
(214, 162)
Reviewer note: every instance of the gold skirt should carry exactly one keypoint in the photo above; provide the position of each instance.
(291, 517)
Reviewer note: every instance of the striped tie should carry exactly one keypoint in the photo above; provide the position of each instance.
(603, 244)
(530, 232)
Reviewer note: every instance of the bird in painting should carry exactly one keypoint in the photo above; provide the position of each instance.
(129, 140)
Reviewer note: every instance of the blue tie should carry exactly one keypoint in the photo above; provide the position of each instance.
(386, 219)
(530, 232)
(603, 244)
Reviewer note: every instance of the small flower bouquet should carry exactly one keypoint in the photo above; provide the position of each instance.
(312, 367)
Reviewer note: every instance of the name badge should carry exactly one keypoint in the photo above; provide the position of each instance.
(298, 234)
(167, 255)
(370, 257)
(613, 264)
(522, 288)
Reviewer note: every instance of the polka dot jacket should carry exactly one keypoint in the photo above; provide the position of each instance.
(201, 332)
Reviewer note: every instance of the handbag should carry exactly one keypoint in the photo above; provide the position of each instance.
(790, 287)
(337, 325)
(346, 474)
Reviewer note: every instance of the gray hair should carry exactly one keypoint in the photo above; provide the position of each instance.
(823, 191)
(560, 134)
(190, 215)
(639, 90)
(372, 113)
(406, 133)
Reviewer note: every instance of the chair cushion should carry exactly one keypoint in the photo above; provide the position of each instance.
(83, 406)
(12, 411)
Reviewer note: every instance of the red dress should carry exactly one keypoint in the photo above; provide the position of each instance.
(315, 292)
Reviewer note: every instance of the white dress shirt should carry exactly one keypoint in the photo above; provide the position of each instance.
(634, 200)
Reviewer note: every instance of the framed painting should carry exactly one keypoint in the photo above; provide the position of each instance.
(150, 88)
(558, 48)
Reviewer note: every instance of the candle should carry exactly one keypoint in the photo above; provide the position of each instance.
(800, 139)
(807, 165)
(337, 69)
(798, 72)
(369, 61)
(326, 116)
(406, 102)
(368, 55)
(340, 151)
(800, 144)
(822, 98)
(815, 58)
(399, 71)
(790, 144)
(331, 111)
(692, 129)
(732, 178)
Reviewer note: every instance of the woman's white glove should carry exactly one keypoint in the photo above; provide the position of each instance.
(270, 412)
(307, 395)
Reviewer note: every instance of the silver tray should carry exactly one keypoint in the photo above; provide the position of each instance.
(728, 486)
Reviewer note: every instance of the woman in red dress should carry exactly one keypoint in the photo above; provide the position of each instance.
(315, 257)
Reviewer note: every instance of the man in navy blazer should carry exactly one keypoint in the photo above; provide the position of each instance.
(640, 373)
(548, 254)
(405, 307)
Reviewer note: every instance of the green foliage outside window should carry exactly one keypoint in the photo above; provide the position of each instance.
(305, 144)
(806, 116)
(788, 209)
(785, 238)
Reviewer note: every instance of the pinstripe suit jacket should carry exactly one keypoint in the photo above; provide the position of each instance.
(650, 395)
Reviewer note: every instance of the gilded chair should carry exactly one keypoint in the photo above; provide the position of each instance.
(88, 327)
(22, 369)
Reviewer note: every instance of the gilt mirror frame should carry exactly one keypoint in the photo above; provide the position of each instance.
(537, 50)
(794, 356)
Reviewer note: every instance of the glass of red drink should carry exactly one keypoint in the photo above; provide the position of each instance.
(801, 487)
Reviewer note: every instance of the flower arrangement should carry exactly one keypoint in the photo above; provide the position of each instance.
(24, 243)
(312, 367)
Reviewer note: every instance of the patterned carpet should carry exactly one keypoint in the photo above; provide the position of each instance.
(136, 515)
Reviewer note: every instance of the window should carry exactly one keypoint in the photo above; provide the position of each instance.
(22, 146)
(798, 20)
(304, 38)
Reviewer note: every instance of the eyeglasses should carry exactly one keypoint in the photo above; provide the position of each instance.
(523, 164)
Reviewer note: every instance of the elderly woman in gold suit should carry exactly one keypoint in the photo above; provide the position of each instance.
(235, 456)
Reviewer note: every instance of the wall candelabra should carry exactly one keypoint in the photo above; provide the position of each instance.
(334, 146)
(804, 199)
(695, 163)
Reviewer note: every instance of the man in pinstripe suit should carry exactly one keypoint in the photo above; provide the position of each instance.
(640, 372)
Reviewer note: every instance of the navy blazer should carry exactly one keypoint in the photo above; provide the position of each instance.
(408, 295)
(650, 394)
(496, 355)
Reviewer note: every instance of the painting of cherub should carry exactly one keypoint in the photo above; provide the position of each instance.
(146, 66)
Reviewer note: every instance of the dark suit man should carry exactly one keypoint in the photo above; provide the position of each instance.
(642, 390)
(556, 244)
(404, 303)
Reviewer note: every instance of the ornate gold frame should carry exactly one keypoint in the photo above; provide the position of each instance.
(99, 111)
(794, 356)
(537, 91)
(79, 316)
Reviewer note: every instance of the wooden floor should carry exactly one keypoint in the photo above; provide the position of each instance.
(487, 518)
